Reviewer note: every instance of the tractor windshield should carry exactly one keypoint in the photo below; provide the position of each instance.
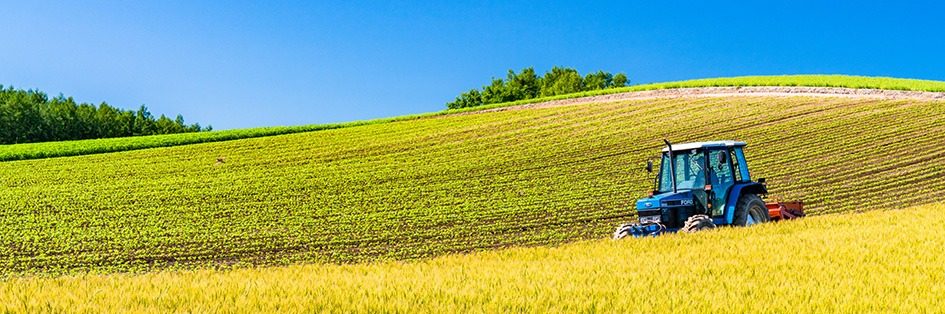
(689, 171)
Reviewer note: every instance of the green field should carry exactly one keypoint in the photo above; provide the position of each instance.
(83, 147)
(446, 184)
(27, 151)
(876, 262)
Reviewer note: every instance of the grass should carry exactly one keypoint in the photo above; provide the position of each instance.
(83, 147)
(881, 261)
(429, 187)
(28, 151)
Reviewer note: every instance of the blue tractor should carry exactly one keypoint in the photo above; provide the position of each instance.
(703, 185)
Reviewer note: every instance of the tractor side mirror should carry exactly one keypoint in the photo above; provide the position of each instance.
(722, 159)
(649, 166)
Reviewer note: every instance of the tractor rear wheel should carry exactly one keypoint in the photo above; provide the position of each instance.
(696, 223)
(749, 210)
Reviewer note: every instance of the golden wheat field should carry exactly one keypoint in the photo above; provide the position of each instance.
(879, 261)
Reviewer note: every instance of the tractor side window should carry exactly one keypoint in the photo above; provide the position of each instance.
(693, 174)
(737, 174)
(722, 178)
(666, 179)
(721, 168)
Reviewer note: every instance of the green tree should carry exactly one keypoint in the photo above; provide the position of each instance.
(497, 92)
(524, 85)
(109, 121)
(126, 120)
(144, 122)
(87, 125)
(472, 98)
(561, 81)
(22, 116)
(164, 125)
(30, 116)
(60, 119)
(620, 80)
(598, 80)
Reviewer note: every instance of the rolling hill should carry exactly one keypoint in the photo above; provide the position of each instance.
(107, 145)
(445, 183)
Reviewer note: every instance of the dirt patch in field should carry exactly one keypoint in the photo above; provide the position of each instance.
(755, 91)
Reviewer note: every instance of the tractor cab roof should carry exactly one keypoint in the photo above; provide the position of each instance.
(712, 144)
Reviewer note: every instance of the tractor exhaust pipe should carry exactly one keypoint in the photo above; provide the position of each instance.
(672, 164)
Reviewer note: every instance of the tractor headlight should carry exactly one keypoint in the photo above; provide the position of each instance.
(649, 219)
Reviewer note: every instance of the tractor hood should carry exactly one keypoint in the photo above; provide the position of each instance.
(681, 198)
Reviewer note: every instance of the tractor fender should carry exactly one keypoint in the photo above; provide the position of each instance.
(737, 191)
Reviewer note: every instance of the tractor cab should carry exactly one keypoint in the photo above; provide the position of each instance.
(700, 185)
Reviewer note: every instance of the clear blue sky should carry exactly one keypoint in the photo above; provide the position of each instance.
(243, 64)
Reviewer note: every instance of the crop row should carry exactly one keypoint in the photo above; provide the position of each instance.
(427, 187)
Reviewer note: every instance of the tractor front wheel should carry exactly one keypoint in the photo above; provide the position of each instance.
(750, 210)
(696, 223)
(623, 231)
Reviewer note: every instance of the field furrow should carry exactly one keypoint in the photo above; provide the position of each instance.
(445, 184)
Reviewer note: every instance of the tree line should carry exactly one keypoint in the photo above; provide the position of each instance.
(526, 85)
(31, 116)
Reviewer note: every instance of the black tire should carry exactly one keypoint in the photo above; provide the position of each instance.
(750, 204)
(622, 231)
(696, 223)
